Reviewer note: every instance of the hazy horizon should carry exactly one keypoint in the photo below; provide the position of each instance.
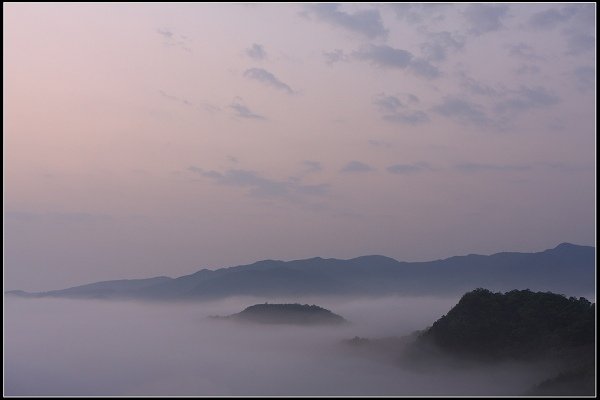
(158, 139)
(134, 349)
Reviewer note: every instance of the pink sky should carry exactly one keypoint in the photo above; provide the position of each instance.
(159, 139)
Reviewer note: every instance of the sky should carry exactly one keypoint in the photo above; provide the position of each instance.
(158, 139)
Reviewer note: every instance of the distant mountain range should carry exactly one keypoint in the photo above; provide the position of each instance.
(567, 268)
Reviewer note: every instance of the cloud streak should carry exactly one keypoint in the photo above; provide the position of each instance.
(367, 23)
(242, 111)
(485, 18)
(261, 186)
(463, 111)
(389, 57)
(256, 52)
(526, 98)
(475, 167)
(265, 77)
(406, 169)
(356, 167)
(395, 111)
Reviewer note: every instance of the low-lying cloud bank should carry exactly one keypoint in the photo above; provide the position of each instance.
(71, 347)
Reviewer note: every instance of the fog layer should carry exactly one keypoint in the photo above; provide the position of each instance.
(69, 347)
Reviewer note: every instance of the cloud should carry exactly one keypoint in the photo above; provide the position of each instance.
(528, 69)
(256, 52)
(313, 166)
(578, 42)
(175, 98)
(476, 87)
(410, 117)
(313, 190)
(408, 168)
(440, 43)
(523, 51)
(395, 111)
(337, 55)
(165, 33)
(172, 39)
(260, 186)
(475, 167)
(484, 18)
(413, 13)
(244, 112)
(367, 23)
(384, 56)
(388, 104)
(585, 78)
(424, 68)
(551, 18)
(463, 111)
(578, 20)
(356, 167)
(379, 143)
(56, 217)
(264, 76)
(388, 57)
(527, 98)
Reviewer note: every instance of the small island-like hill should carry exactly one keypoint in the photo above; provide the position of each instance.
(292, 314)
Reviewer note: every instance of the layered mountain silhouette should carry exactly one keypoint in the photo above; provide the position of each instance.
(567, 268)
(290, 314)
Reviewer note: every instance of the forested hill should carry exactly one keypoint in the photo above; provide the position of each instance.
(295, 314)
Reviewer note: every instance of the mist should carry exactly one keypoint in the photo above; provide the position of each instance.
(88, 347)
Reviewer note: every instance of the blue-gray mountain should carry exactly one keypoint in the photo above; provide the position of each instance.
(567, 269)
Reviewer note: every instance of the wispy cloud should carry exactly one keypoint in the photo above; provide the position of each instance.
(312, 166)
(56, 217)
(242, 111)
(394, 110)
(476, 87)
(261, 186)
(402, 169)
(550, 19)
(416, 13)
(439, 44)
(523, 51)
(387, 104)
(173, 39)
(256, 52)
(380, 143)
(367, 23)
(167, 34)
(526, 98)
(475, 167)
(335, 56)
(356, 167)
(463, 111)
(579, 42)
(175, 98)
(485, 18)
(384, 56)
(578, 21)
(423, 68)
(267, 78)
(528, 69)
(389, 57)
(585, 78)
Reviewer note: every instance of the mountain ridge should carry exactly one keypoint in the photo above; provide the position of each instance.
(566, 267)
